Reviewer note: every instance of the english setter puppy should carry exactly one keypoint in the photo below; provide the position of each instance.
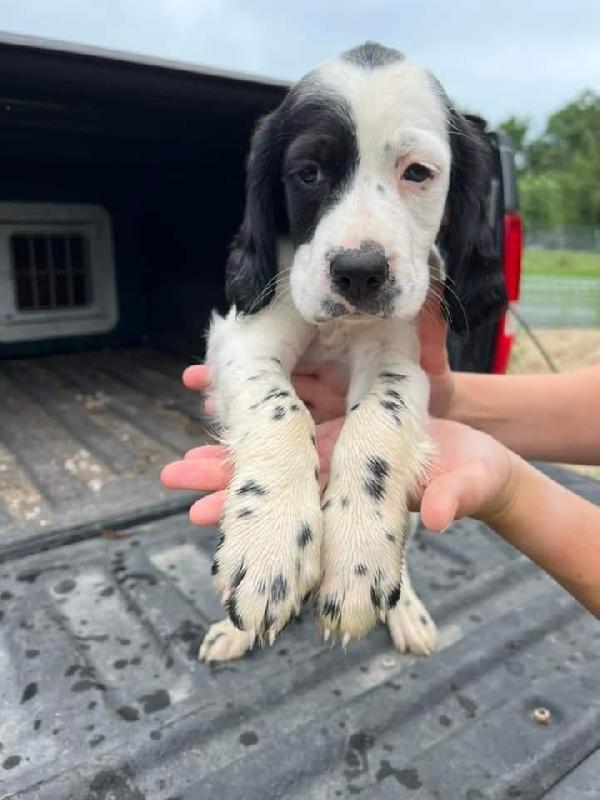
(369, 173)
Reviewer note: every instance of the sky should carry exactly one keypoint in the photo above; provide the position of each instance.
(494, 57)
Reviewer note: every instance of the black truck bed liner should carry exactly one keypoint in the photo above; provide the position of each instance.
(102, 696)
(83, 438)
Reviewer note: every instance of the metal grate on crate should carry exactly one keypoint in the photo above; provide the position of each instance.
(51, 271)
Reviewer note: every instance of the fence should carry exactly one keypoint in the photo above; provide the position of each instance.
(573, 238)
(557, 302)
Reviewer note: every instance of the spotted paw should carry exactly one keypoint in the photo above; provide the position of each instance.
(411, 627)
(269, 555)
(362, 559)
(224, 642)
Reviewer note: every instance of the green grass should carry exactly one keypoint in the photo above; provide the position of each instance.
(565, 263)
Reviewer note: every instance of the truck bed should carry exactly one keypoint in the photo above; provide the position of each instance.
(83, 438)
(102, 697)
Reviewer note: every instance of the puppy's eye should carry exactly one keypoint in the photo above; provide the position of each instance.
(417, 173)
(309, 175)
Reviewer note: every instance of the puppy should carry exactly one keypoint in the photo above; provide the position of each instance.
(368, 173)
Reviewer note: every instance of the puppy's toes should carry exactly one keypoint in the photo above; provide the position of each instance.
(411, 627)
(225, 642)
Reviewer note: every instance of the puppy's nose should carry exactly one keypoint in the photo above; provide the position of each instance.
(358, 274)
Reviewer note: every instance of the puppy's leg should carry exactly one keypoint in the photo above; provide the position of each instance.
(411, 627)
(381, 454)
(269, 554)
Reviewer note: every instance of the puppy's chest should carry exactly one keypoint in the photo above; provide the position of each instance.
(333, 344)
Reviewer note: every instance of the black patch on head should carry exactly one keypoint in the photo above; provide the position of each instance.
(393, 597)
(331, 607)
(311, 130)
(278, 589)
(360, 569)
(305, 536)
(251, 487)
(278, 412)
(466, 239)
(371, 55)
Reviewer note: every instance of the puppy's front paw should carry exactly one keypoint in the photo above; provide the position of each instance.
(411, 627)
(269, 555)
(224, 642)
(362, 560)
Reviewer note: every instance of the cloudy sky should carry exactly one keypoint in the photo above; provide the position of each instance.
(496, 57)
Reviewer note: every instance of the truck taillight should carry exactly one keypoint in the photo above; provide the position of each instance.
(513, 249)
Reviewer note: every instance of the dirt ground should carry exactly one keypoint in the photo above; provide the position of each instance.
(568, 348)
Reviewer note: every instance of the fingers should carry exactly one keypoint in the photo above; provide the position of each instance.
(208, 510)
(207, 451)
(198, 474)
(451, 496)
(433, 330)
(197, 377)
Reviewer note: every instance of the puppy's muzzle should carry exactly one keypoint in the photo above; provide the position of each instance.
(359, 275)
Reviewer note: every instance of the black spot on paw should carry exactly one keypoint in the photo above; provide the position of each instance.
(380, 188)
(313, 439)
(360, 569)
(278, 589)
(345, 501)
(331, 607)
(390, 405)
(305, 536)
(424, 620)
(294, 407)
(268, 620)
(238, 576)
(251, 487)
(354, 407)
(325, 505)
(394, 394)
(391, 537)
(215, 566)
(376, 596)
(276, 360)
(245, 512)
(316, 473)
(232, 610)
(380, 470)
(393, 596)
(391, 377)
(278, 412)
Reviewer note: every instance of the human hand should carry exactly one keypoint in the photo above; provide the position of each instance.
(433, 331)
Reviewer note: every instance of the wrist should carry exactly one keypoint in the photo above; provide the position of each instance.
(500, 511)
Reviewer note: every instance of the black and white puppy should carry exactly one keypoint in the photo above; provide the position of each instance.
(368, 170)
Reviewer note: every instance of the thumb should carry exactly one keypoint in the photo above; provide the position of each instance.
(450, 496)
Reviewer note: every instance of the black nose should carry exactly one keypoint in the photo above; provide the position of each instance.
(358, 274)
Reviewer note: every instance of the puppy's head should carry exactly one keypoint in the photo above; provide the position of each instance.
(366, 166)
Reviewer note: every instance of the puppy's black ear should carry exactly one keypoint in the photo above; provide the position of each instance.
(252, 265)
(475, 290)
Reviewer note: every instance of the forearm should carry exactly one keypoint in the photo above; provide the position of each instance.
(545, 417)
(556, 529)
